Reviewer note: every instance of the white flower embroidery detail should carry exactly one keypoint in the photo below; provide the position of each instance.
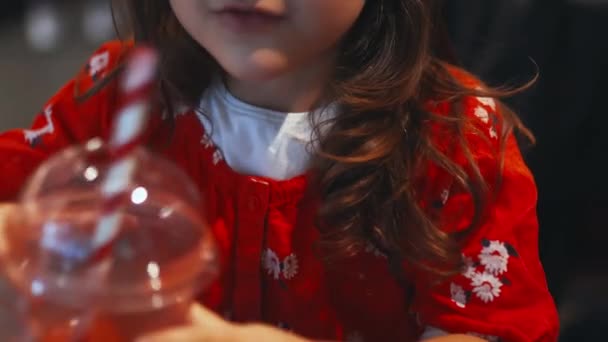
(445, 195)
(270, 262)
(275, 267)
(487, 101)
(486, 286)
(180, 111)
(493, 133)
(459, 297)
(290, 266)
(495, 258)
(482, 114)
(99, 63)
(32, 135)
(206, 141)
(485, 273)
(469, 268)
(217, 157)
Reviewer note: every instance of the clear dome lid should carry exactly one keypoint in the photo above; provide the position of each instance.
(164, 252)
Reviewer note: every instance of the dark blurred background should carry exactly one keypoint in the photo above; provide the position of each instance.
(44, 42)
(505, 42)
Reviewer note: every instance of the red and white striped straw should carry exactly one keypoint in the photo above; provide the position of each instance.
(136, 87)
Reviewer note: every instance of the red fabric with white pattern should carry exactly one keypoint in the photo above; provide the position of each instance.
(266, 232)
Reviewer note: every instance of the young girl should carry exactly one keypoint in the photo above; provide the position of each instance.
(359, 187)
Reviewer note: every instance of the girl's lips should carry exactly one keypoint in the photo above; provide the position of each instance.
(248, 20)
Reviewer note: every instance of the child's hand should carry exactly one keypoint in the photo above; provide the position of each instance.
(207, 326)
(6, 209)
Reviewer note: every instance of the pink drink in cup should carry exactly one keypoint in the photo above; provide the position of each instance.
(162, 257)
(110, 231)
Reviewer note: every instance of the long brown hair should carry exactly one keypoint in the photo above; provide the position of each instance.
(372, 153)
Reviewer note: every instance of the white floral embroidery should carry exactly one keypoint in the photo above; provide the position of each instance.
(217, 157)
(482, 114)
(290, 266)
(445, 195)
(181, 110)
(49, 128)
(487, 101)
(469, 268)
(355, 336)
(484, 272)
(271, 263)
(98, 63)
(486, 286)
(275, 267)
(495, 258)
(371, 249)
(493, 133)
(206, 141)
(458, 295)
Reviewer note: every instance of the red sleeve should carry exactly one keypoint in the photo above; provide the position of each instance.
(63, 121)
(502, 293)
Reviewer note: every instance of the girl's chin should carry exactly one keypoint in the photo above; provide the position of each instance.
(256, 69)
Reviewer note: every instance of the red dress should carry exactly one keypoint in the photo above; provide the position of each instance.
(266, 233)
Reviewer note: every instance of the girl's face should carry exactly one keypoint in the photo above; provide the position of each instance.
(264, 39)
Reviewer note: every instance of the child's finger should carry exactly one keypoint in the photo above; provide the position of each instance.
(5, 210)
(195, 333)
(7, 213)
(205, 326)
(203, 317)
(179, 334)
